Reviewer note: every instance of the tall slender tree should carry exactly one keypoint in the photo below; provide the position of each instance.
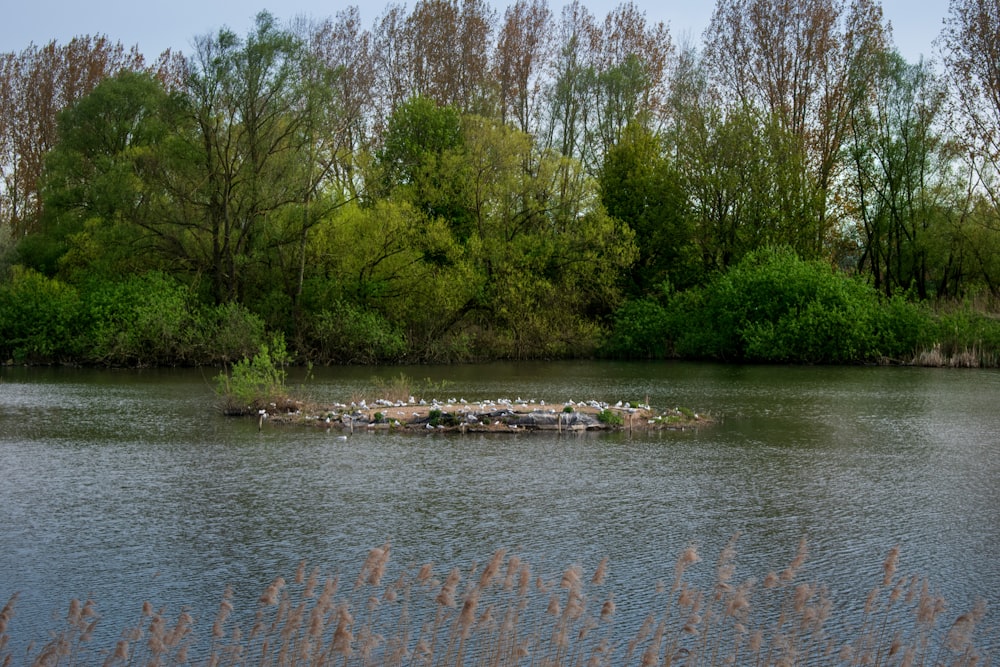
(805, 63)
(522, 54)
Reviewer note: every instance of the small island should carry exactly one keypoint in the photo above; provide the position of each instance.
(501, 415)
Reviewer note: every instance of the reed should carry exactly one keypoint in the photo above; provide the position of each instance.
(495, 616)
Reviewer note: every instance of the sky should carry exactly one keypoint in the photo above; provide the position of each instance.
(155, 26)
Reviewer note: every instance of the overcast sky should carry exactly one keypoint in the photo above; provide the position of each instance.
(156, 26)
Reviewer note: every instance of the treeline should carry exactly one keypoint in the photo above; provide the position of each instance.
(451, 183)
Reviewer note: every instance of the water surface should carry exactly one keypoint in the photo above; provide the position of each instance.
(129, 486)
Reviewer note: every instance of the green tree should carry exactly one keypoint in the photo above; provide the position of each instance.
(548, 257)
(243, 153)
(642, 188)
(96, 190)
(416, 162)
(746, 183)
(901, 181)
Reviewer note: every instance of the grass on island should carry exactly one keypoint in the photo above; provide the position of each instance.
(503, 613)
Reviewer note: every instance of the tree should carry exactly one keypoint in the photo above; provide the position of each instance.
(522, 53)
(548, 258)
(449, 52)
(805, 64)
(570, 84)
(35, 85)
(244, 152)
(632, 59)
(341, 58)
(642, 188)
(416, 161)
(971, 45)
(901, 180)
(971, 48)
(96, 192)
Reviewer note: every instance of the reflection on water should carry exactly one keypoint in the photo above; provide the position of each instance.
(128, 486)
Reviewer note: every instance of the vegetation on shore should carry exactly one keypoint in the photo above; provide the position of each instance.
(771, 307)
(537, 185)
(502, 613)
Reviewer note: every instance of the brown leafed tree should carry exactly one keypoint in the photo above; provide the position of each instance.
(449, 49)
(342, 49)
(36, 85)
(392, 70)
(631, 60)
(522, 54)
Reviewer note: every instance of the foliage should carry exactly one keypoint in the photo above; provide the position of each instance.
(344, 333)
(140, 321)
(254, 383)
(228, 332)
(40, 317)
(36, 84)
(610, 418)
(775, 307)
(433, 191)
(639, 330)
(642, 188)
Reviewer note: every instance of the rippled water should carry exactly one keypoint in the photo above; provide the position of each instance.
(128, 486)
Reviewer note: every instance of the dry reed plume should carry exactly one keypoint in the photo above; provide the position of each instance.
(502, 614)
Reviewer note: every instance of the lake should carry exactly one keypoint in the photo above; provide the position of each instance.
(129, 486)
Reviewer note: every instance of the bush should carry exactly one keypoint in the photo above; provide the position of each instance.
(255, 384)
(610, 417)
(39, 317)
(775, 307)
(350, 334)
(902, 328)
(228, 332)
(639, 331)
(143, 320)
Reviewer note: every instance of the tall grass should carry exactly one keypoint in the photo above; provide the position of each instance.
(503, 613)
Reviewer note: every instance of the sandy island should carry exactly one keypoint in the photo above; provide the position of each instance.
(488, 416)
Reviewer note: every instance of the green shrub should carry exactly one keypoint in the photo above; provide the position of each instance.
(639, 331)
(39, 317)
(140, 321)
(775, 307)
(228, 332)
(610, 417)
(254, 384)
(902, 328)
(350, 334)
